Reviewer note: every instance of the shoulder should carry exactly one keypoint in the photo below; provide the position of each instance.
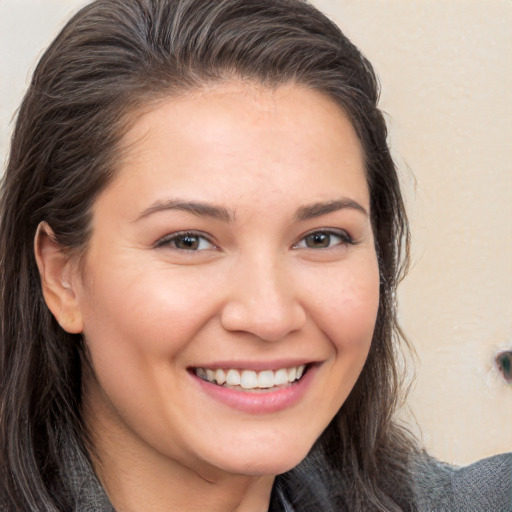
(79, 483)
(480, 487)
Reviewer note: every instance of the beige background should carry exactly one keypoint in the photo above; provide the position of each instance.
(447, 82)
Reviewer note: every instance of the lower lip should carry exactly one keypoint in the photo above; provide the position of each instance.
(263, 402)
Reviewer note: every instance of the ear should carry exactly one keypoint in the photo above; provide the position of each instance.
(57, 272)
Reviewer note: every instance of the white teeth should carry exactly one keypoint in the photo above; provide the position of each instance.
(233, 378)
(220, 376)
(266, 379)
(250, 379)
(281, 377)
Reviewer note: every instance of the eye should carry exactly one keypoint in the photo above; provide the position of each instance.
(186, 241)
(324, 239)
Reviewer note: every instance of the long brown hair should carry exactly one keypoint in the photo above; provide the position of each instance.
(111, 58)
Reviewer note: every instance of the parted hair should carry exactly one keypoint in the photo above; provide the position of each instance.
(113, 58)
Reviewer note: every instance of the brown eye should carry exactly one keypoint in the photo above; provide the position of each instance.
(190, 242)
(319, 240)
(324, 239)
(187, 242)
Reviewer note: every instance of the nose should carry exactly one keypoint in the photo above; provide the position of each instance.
(262, 300)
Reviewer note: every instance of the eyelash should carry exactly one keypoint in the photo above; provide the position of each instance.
(172, 239)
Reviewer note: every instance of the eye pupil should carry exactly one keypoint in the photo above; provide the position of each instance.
(318, 240)
(188, 242)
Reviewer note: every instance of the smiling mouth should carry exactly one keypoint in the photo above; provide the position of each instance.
(250, 380)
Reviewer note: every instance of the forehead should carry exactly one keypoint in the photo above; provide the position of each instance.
(238, 137)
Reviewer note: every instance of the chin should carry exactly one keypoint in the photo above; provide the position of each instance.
(266, 461)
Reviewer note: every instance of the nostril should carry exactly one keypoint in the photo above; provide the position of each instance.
(504, 363)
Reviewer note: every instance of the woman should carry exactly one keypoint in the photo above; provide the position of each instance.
(201, 236)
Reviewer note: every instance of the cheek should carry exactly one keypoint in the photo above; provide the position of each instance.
(138, 327)
(147, 308)
(347, 318)
(138, 324)
(348, 310)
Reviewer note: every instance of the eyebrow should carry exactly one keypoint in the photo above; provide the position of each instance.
(195, 207)
(319, 209)
(219, 212)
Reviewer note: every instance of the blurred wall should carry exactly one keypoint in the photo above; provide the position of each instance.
(447, 91)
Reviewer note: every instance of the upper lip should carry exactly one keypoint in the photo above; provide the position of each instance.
(257, 365)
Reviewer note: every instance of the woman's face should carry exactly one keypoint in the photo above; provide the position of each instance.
(234, 243)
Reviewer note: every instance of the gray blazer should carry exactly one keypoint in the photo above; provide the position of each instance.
(485, 486)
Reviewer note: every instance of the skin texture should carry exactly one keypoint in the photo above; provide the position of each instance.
(255, 293)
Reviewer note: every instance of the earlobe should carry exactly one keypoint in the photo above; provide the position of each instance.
(56, 271)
